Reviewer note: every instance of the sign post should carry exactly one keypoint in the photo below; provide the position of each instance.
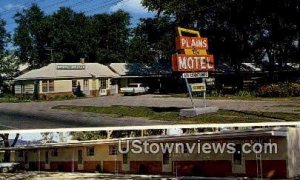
(193, 61)
(190, 92)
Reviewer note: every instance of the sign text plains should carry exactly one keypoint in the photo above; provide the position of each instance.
(184, 42)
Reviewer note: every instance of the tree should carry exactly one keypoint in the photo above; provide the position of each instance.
(110, 34)
(67, 36)
(6, 144)
(239, 30)
(4, 36)
(31, 36)
(7, 63)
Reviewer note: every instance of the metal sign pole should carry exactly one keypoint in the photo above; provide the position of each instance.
(204, 94)
(190, 92)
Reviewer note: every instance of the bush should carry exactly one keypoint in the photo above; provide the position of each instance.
(279, 90)
(245, 94)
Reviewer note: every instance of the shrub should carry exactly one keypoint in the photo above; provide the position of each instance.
(279, 90)
(245, 94)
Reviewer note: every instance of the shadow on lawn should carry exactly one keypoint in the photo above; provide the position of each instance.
(165, 109)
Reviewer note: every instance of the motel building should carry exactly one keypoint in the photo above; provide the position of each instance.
(62, 79)
(104, 156)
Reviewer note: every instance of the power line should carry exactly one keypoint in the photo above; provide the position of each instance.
(22, 6)
(105, 5)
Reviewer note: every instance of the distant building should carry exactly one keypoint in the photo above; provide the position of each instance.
(57, 79)
(155, 75)
(103, 155)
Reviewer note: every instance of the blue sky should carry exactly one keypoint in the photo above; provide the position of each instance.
(9, 7)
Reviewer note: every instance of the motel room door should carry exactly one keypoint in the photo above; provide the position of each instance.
(238, 160)
(85, 87)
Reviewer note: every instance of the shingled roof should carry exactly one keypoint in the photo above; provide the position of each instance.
(52, 71)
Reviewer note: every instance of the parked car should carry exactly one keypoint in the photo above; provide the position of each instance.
(134, 89)
(8, 167)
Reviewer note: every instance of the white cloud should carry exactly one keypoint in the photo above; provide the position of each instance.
(13, 6)
(134, 7)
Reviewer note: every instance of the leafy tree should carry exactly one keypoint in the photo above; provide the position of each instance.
(110, 33)
(8, 66)
(7, 63)
(67, 36)
(239, 30)
(31, 36)
(4, 36)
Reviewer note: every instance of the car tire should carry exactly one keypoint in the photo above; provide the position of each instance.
(4, 170)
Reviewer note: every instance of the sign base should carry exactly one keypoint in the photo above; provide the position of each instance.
(197, 111)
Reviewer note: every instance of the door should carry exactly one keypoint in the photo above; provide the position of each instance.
(238, 161)
(86, 90)
(80, 160)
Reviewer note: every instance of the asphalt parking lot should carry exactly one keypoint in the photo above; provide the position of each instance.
(40, 115)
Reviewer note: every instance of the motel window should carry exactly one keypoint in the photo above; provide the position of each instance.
(26, 157)
(90, 151)
(237, 156)
(80, 161)
(47, 86)
(54, 153)
(74, 85)
(166, 157)
(47, 157)
(112, 150)
(103, 83)
(125, 157)
(20, 154)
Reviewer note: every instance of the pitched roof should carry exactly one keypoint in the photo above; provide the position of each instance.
(139, 69)
(229, 134)
(52, 71)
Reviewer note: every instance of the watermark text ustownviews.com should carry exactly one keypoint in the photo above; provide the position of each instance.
(138, 147)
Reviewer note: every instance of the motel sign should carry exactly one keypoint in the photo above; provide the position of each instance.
(193, 60)
(192, 63)
(192, 56)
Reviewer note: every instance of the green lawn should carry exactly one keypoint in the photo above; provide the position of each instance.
(172, 114)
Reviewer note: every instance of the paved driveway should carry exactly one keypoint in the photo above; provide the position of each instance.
(32, 115)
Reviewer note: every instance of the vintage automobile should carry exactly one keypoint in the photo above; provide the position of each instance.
(8, 166)
(134, 89)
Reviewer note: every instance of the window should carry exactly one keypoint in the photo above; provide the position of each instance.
(112, 150)
(237, 156)
(51, 85)
(125, 157)
(90, 151)
(47, 86)
(80, 161)
(54, 153)
(26, 157)
(20, 154)
(166, 157)
(47, 157)
(103, 83)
